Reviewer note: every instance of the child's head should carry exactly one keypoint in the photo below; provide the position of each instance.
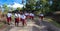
(16, 12)
(21, 13)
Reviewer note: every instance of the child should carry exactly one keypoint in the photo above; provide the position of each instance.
(27, 15)
(31, 16)
(23, 19)
(9, 17)
(17, 17)
(41, 16)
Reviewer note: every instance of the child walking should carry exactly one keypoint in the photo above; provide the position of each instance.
(17, 18)
(41, 16)
(23, 19)
(31, 16)
(9, 18)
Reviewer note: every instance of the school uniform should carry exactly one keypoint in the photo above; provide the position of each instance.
(17, 18)
(9, 17)
(31, 16)
(23, 18)
(27, 15)
(41, 16)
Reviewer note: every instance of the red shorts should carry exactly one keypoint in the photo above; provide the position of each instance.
(8, 19)
(27, 16)
(41, 17)
(23, 21)
(16, 20)
(31, 17)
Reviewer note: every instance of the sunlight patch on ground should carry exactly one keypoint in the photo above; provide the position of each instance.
(23, 30)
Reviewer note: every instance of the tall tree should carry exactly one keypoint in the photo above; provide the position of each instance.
(5, 8)
(38, 5)
(30, 4)
(56, 5)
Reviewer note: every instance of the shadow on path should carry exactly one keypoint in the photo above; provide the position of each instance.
(49, 26)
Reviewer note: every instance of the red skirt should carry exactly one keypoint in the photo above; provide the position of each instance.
(23, 21)
(17, 20)
(27, 16)
(41, 17)
(31, 17)
(8, 19)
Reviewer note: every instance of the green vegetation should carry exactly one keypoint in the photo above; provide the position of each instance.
(19, 8)
(44, 6)
(38, 6)
(5, 8)
(53, 22)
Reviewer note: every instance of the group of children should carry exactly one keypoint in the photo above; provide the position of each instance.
(22, 16)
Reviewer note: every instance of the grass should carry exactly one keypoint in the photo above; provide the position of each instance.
(56, 24)
(53, 22)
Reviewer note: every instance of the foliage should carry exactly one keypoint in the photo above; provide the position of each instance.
(39, 5)
(30, 4)
(50, 20)
(45, 6)
(5, 8)
(56, 5)
(18, 8)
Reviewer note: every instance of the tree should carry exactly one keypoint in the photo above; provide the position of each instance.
(30, 4)
(39, 5)
(18, 8)
(5, 8)
(56, 5)
(42, 5)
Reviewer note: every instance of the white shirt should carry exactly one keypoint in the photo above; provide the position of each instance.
(19, 15)
(9, 15)
(16, 15)
(41, 15)
(31, 14)
(23, 16)
(26, 13)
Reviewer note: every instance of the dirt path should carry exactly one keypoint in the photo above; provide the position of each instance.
(31, 26)
(20, 28)
(35, 25)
